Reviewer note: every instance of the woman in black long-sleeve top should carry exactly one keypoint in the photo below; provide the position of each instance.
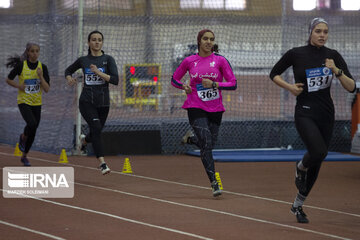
(99, 70)
(314, 67)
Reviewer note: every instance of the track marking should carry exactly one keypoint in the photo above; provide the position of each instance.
(116, 217)
(172, 203)
(193, 186)
(187, 205)
(31, 230)
(216, 211)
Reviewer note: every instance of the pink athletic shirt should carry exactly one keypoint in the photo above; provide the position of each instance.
(214, 67)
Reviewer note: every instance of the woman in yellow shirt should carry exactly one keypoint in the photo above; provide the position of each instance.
(33, 80)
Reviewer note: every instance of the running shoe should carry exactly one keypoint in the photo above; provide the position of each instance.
(186, 138)
(104, 169)
(215, 189)
(22, 142)
(25, 161)
(300, 215)
(82, 146)
(300, 178)
(82, 141)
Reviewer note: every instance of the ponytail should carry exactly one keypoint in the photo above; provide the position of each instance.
(215, 48)
(13, 61)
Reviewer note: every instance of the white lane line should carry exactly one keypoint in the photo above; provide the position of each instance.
(31, 230)
(193, 186)
(117, 217)
(216, 211)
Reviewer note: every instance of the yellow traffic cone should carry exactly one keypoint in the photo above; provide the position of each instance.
(228, 98)
(63, 157)
(17, 151)
(127, 166)
(218, 179)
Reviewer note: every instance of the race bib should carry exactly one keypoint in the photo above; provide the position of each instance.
(318, 78)
(207, 94)
(32, 86)
(93, 79)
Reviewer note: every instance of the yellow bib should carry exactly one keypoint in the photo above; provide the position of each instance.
(32, 95)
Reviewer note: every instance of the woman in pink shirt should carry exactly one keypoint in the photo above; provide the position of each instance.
(204, 100)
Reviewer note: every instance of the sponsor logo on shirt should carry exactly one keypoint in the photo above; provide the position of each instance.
(326, 71)
(207, 75)
(194, 75)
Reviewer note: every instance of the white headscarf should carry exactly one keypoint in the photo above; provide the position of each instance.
(315, 22)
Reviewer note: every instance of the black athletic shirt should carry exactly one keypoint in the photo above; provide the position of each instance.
(308, 63)
(19, 67)
(96, 90)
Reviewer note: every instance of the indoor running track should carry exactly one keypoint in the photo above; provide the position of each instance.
(169, 197)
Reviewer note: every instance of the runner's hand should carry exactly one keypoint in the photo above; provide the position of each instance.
(329, 63)
(39, 72)
(207, 83)
(21, 87)
(93, 68)
(71, 81)
(297, 88)
(187, 88)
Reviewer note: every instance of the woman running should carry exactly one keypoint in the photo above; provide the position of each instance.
(314, 67)
(204, 100)
(99, 70)
(33, 80)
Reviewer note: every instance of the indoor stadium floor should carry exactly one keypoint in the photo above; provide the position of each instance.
(169, 197)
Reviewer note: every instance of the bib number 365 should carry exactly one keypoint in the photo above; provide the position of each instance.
(207, 94)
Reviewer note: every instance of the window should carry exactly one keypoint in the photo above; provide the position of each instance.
(304, 5)
(213, 4)
(350, 5)
(107, 4)
(308, 5)
(6, 3)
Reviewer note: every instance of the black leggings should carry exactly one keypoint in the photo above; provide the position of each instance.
(31, 115)
(316, 135)
(206, 128)
(95, 118)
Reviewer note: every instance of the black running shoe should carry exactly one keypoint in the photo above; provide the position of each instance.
(22, 142)
(215, 188)
(300, 215)
(25, 161)
(300, 178)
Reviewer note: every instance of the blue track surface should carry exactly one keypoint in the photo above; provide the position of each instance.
(269, 155)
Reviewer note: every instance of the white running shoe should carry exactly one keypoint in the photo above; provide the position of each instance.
(104, 168)
(83, 143)
(216, 189)
(186, 137)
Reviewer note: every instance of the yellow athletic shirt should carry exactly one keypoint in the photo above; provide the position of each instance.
(32, 95)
